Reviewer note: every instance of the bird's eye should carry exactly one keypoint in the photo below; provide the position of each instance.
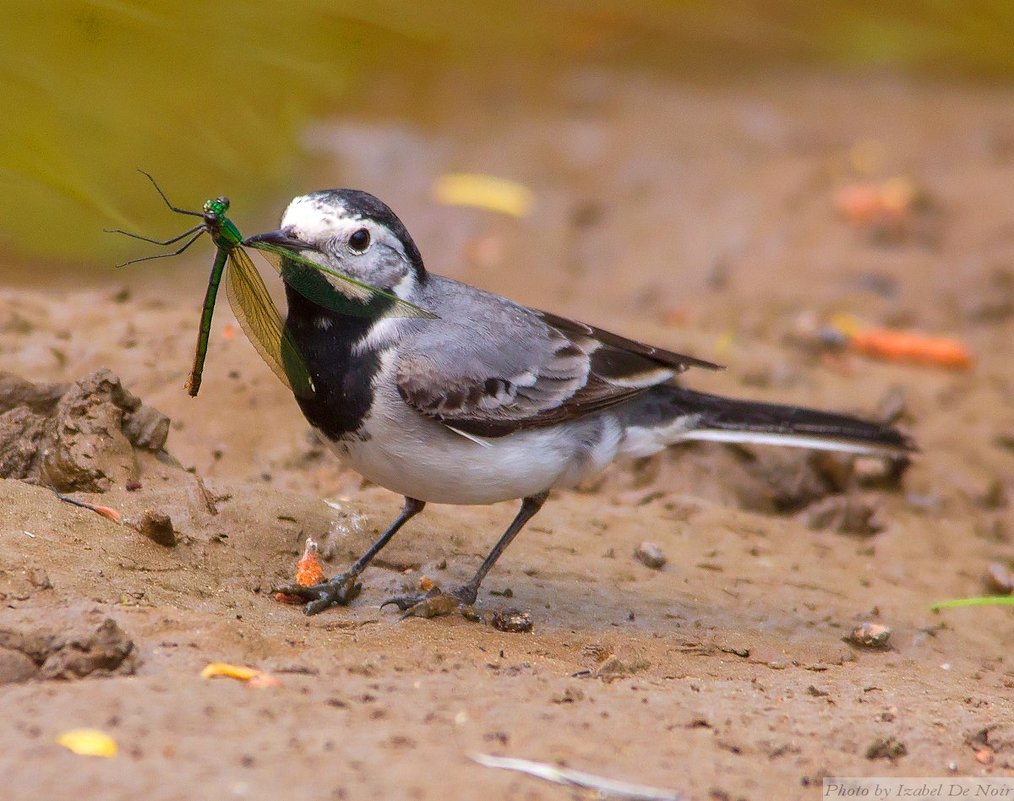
(359, 240)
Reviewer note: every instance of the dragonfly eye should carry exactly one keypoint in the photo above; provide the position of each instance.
(359, 240)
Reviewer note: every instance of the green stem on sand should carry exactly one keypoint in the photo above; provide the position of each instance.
(982, 600)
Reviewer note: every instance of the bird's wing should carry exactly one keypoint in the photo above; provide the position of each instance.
(502, 368)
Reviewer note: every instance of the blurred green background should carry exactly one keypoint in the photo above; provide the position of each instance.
(212, 97)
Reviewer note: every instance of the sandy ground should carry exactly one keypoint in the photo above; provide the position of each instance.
(698, 217)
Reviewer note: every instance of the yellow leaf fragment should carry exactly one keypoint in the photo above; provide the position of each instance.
(484, 192)
(224, 669)
(88, 742)
(252, 676)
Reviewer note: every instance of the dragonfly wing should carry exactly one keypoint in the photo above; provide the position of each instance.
(357, 290)
(261, 322)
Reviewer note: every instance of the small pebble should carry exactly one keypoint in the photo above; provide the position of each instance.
(877, 472)
(870, 635)
(995, 496)
(512, 620)
(650, 555)
(1000, 578)
(892, 406)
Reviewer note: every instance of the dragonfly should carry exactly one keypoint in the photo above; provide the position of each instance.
(249, 297)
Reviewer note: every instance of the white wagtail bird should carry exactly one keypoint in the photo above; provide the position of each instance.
(487, 400)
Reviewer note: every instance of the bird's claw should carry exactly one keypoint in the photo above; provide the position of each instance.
(435, 603)
(339, 591)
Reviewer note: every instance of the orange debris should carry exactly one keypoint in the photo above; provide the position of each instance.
(107, 512)
(871, 204)
(907, 346)
(309, 571)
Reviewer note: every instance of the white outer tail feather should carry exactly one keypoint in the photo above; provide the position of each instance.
(792, 441)
(639, 441)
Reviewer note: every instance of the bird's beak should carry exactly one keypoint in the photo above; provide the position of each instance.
(278, 239)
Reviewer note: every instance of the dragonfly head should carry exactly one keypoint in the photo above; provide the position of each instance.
(216, 209)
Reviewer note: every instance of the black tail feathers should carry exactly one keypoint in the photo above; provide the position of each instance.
(713, 417)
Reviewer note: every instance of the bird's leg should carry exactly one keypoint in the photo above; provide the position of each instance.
(436, 602)
(342, 588)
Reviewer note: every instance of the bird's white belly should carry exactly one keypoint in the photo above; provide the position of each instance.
(448, 468)
(420, 458)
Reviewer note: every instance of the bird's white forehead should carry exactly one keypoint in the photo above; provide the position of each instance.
(316, 218)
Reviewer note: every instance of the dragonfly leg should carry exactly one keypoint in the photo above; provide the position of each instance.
(197, 236)
(175, 239)
(170, 205)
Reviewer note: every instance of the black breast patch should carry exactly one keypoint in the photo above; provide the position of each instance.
(342, 379)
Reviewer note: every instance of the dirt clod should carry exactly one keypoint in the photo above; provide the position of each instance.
(101, 651)
(79, 650)
(845, 514)
(788, 480)
(886, 748)
(38, 578)
(157, 527)
(79, 436)
(16, 666)
(613, 668)
(570, 695)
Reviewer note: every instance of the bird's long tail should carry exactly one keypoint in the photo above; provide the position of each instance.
(669, 414)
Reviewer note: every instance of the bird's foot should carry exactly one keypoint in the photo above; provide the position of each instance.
(436, 602)
(339, 591)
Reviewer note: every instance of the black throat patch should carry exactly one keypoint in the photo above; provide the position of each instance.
(325, 337)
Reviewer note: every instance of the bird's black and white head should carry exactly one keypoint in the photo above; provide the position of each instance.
(355, 233)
